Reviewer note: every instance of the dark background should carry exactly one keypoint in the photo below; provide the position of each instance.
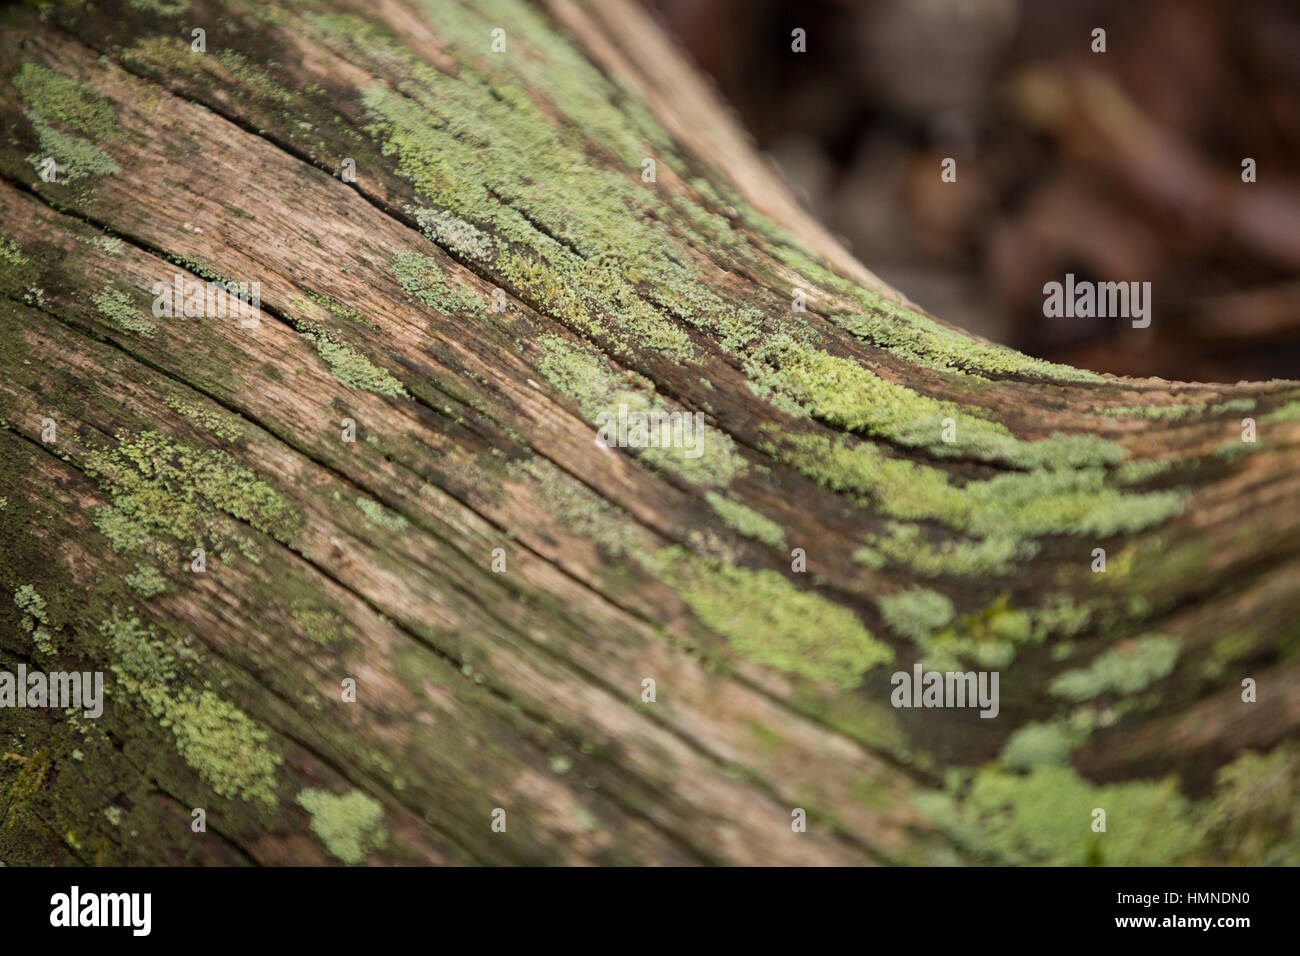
(1116, 166)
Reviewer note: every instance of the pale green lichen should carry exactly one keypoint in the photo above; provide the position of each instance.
(165, 495)
(1046, 817)
(380, 516)
(11, 252)
(912, 335)
(320, 625)
(844, 393)
(585, 376)
(225, 746)
(1175, 412)
(165, 8)
(109, 245)
(221, 424)
(114, 305)
(990, 637)
(454, 234)
(76, 158)
(146, 580)
(36, 620)
(219, 741)
(54, 98)
(1037, 745)
(422, 278)
(1012, 505)
(1290, 412)
(580, 509)
(906, 545)
(59, 97)
(916, 614)
(349, 366)
(746, 520)
(349, 826)
(1125, 669)
(767, 619)
(1254, 816)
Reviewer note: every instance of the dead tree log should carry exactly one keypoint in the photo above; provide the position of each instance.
(365, 585)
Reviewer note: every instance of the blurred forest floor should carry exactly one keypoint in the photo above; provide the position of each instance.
(1122, 166)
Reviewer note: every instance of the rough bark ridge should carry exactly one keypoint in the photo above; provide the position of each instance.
(497, 584)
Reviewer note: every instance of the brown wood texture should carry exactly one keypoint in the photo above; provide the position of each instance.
(497, 584)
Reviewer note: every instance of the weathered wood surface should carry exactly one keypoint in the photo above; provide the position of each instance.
(521, 689)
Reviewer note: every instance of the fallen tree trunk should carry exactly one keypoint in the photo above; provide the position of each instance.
(366, 586)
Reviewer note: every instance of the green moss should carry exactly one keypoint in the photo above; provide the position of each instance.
(1125, 669)
(350, 826)
(769, 620)
(116, 307)
(747, 521)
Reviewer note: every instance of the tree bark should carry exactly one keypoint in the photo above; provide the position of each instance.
(563, 652)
